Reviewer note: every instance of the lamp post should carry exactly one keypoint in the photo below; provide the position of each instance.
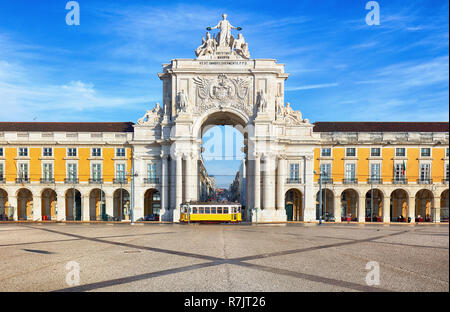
(320, 196)
(133, 175)
(371, 198)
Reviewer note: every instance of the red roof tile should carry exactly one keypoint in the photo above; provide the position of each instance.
(381, 127)
(67, 126)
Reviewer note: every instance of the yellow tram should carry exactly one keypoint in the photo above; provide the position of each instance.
(211, 212)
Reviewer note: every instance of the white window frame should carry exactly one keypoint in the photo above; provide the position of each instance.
(2, 171)
(19, 171)
(2, 152)
(400, 177)
(397, 148)
(24, 148)
(72, 148)
(321, 152)
(51, 151)
(427, 176)
(68, 171)
(116, 172)
(329, 172)
(346, 177)
(356, 152)
(371, 175)
(93, 176)
(43, 171)
(96, 149)
(379, 148)
(429, 148)
(124, 151)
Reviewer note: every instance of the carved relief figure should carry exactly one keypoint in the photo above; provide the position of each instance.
(279, 107)
(183, 102)
(261, 101)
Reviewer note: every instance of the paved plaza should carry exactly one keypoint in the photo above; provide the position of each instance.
(175, 257)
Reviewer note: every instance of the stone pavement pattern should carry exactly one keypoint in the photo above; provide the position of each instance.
(173, 257)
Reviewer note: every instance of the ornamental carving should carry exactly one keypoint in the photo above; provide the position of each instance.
(222, 92)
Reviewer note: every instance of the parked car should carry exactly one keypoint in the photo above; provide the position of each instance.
(151, 217)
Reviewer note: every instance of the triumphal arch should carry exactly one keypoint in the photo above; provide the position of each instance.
(223, 85)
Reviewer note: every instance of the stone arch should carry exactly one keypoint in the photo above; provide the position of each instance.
(73, 202)
(24, 204)
(374, 213)
(219, 115)
(399, 205)
(424, 205)
(327, 204)
(293, 202)
(5, 211)
(444, 200)
(152, 203)
(121, 209)
(349, 204)
(48, 204)
(96, 204)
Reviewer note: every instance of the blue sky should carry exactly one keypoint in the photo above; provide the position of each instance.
(340, 68)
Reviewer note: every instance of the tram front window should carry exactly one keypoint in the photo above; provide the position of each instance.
(194, 210)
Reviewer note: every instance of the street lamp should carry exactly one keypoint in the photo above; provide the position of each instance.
(132, 174)
(320, 196)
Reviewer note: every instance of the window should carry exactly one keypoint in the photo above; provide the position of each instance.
(1, 152)
(326, 152)
(350, 172)
(23, 151)
(120, 172)
(425, 170)
(425, 152)
(96, 152)
(294, 172)
(156, 196)
(325, 169)
(47, 173)
(400, 152)
(151, 171)
(399, 172)
(120, 152)
(446, 152)
(447, 172)
(375, 172)
(219, 209)
(375, 151)
(72, 152)
(72, 174)
(96, 172)
(225, 210)
(47, 151)
(350, 151)
(2, 172)
(23, 171)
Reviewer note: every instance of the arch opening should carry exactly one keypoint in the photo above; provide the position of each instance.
(399, 206)
(48, 205)
(327, 205)
(97, 207)
(73, 205)
(293, 203)
(443, 213)
(121, 205)
(152, 205)
(349, 205)
(6, 210)
(374, 206)
(424, 206)
(24, 204)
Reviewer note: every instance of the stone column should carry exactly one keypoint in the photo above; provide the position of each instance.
(266, 182)
(386, 209)
(37, 210)
(172, 183)
(12, 201)
(309, 212)
(337, 208)
(257, 183)
(412, 209)
(164, 185)
(85, 207)
(436, 212)
(362, 209)
(60, 207)
(280, 182)
(109, 205)
(179, 188)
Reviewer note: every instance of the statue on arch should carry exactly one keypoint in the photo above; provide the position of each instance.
(224, 38)
(183, 102)
(261, 101)
(241, 47)
(208, 46)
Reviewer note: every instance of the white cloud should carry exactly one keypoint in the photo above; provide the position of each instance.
(309, 87)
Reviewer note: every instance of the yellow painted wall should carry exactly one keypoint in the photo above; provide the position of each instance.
(387, 166)
(84, 164)
(362, 170)
(35, 163)
(437, 167)
(316, 163)
(338, 164)
(108, 164)
(412, 166)
(10, 164)
(59, 164)
(129, 156)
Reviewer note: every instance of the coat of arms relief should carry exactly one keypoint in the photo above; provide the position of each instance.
(222, 92)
